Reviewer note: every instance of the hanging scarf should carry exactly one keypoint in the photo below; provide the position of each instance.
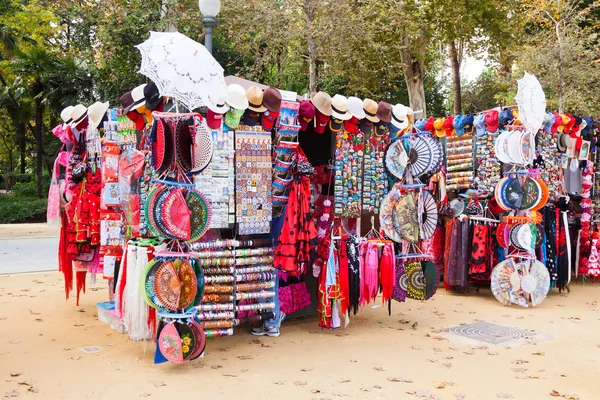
(344, 276)
(387, 266)
(371, 272)
(298, 233)
(354, 273)
(480, 250)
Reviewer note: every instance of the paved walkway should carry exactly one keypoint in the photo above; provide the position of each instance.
(28, 254)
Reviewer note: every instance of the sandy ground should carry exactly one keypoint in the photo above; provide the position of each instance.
(28, 230)
(405, 356)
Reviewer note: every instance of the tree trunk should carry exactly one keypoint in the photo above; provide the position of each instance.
(412, 57)
(312, 52)
(455, 64)
(39, 136)
(559, 67)
(22, 141)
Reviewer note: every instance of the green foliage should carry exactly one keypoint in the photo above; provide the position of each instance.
(15, 210)
(24, 190)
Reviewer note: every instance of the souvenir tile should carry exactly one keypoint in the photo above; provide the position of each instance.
(217, 180)
(254, 201)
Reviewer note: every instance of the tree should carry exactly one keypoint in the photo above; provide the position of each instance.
(468, 26)
(562, 51)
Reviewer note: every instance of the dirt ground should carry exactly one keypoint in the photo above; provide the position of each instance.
(404, 356)
(28, 230)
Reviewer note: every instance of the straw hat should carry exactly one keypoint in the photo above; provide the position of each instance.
(272, 100)
(339, 107)
(355, 107)
(322, 102)
(220, 106)
(78, 114)
(370, 109)
(236, 97)
(384, 111)
(96, 113)
(138, 97)
(400, 116)
(254, 94)
(65, 115)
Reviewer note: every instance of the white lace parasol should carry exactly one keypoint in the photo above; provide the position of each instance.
(182, 68)
(532, 103)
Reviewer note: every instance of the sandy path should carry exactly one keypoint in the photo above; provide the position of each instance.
(28, 230)
(377, 356)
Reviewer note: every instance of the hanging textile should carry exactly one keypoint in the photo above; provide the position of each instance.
(298, 233)
(457, 276)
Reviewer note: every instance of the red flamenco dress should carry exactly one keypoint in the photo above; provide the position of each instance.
(298, 234)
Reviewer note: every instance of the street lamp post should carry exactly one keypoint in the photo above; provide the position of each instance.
(209, 10)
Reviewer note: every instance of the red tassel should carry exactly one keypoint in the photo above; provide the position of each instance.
(80, 282)
(387, 271)
(65, 264)
(344, 277)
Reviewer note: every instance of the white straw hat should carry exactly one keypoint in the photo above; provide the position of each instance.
(355, 107)
(400, 116)
(339, 107)
(96, 112)
(236, 97)
(78, 114)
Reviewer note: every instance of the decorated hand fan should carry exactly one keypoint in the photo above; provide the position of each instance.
(203, 147)
(503, 235)
(396, 159)
(200, 278)
(386, 215)
(183, 143)
(175, 284)
(405, 218)
(527, 148)
(416, 281)
(176, 215)
(437, 155)
(537, 282)
(189, 283)
(200, 340)
(169, 144)
(149, 207)
(429, 218)
(401, 284)
(531, 194)
(154, 207)
(169, 344)
(201, 214)
(419, 156)
(498, 194)
(525, 237)
(514, 237)
(188, 340)
(539, 238)
(502, 282)
(512, 193)
(518, 295)
(501, 148)
(158, 143)
(148, 278)
(432, 278)
(545, 195)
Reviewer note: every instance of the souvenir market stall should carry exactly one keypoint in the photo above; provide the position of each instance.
(207, 207)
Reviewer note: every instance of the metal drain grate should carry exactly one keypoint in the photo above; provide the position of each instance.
(491, 333)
